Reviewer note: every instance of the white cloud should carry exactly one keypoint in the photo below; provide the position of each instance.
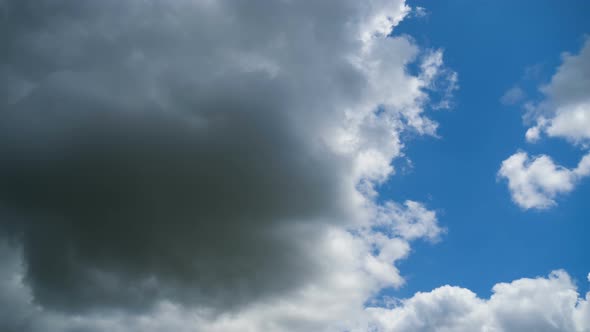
(536, 182)
(540, 304)
(566, 110)
(420, 11)
(565, 113)
(410, 221)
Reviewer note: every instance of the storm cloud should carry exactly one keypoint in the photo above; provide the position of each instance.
(203, 152)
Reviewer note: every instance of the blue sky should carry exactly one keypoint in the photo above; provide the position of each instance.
(490, 239)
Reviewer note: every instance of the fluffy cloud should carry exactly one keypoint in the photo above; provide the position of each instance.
(536, 182)
(540, 304)
(565, 113)
(566, 110)
(209, 161)
(409, 221)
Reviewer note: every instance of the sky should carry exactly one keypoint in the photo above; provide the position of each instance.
(457, 173)
(339, 165)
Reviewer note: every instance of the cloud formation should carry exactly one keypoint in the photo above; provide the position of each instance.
(540, 304)
(208, 157)
(563, 113)
(536, 182)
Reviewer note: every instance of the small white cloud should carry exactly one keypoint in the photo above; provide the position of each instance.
(439, 79)
(420, 11)
(410, 220)
(536, 182)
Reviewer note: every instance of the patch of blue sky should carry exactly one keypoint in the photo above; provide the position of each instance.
(493, 46)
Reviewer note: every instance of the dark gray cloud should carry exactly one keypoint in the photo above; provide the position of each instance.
(118, 196)
(199, 152)
(16, 313)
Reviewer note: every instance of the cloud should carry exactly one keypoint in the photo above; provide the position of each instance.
(565, 112)
(536, 182)
(203, 156)
(513, 96)
(409, 221)
(420, 11)
(333, 301)
(539, 304)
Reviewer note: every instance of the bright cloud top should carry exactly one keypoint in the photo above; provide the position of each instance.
(540, 304)
(536, 182)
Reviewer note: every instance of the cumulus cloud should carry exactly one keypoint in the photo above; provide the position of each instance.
(540, 304)
(564, 112)
(209, 160)
(536, 182)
